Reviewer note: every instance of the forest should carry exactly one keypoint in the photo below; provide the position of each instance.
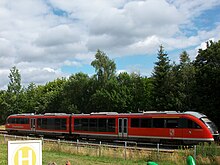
(187, 85)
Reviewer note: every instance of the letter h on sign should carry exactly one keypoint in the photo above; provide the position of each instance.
(21, 159)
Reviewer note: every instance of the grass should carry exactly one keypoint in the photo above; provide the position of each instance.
(89, 155)
(2, 127)
(60, 158)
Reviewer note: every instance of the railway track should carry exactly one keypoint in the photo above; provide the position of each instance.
(2, 131)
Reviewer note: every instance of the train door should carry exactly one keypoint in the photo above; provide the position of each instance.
(33, 124)
(122, 127)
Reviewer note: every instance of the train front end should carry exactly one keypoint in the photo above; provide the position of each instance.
(212, 127)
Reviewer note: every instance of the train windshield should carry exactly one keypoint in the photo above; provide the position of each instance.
(212, 127)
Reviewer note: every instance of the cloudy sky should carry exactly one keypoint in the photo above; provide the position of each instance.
(47, 39)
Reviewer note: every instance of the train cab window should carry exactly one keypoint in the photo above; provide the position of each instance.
(11, 120)
(187, 123)
(192, 124)
(18, 121)
(158, 123)
(171, 123)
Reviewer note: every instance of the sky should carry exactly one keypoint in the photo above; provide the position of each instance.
(49, 39)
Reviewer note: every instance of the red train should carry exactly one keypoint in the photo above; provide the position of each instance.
(165, 126)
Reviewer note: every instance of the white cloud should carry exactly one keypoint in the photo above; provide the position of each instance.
(59, 35)
(40, 37)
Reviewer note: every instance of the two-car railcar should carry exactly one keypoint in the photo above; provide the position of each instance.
(166, 126)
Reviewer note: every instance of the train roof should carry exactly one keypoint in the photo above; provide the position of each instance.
(193, 113)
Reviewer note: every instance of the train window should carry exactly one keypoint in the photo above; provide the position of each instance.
(111, 125)
(60, 124)
(135, 122)
(85, 124)
(50, 124)
(63, 124)
(23, 121)
(44, 123)
(171, 123)
(39, 123)
(26, 121)
(141, 123)
(77, 124)
(187, 123)
(102, 125)
(158, 123)
(93, 125)
(18, 121)
(145, 123)
(11, 120)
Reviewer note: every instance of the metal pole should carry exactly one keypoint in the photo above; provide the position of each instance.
(125, 150)
(100, 143)
(42, 139)
(158, 150)
(77, 143)
(58, 144)
(195, 152)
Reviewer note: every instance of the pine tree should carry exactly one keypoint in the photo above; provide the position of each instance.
(161, 85)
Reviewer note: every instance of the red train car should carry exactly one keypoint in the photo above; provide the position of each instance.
(166, 126)
(54, 124)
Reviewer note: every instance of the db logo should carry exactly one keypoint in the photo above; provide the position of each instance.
(25, 152)
(24, 155)
(172, 132)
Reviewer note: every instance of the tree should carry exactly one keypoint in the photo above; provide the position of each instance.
(104, 67)
(14, 85)
(53, 96)
(161, 85)
(14, 96)
(3, 106)
(207, 65)
(183, 84)
(76, 93)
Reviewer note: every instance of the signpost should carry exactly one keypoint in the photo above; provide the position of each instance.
(27, 152)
